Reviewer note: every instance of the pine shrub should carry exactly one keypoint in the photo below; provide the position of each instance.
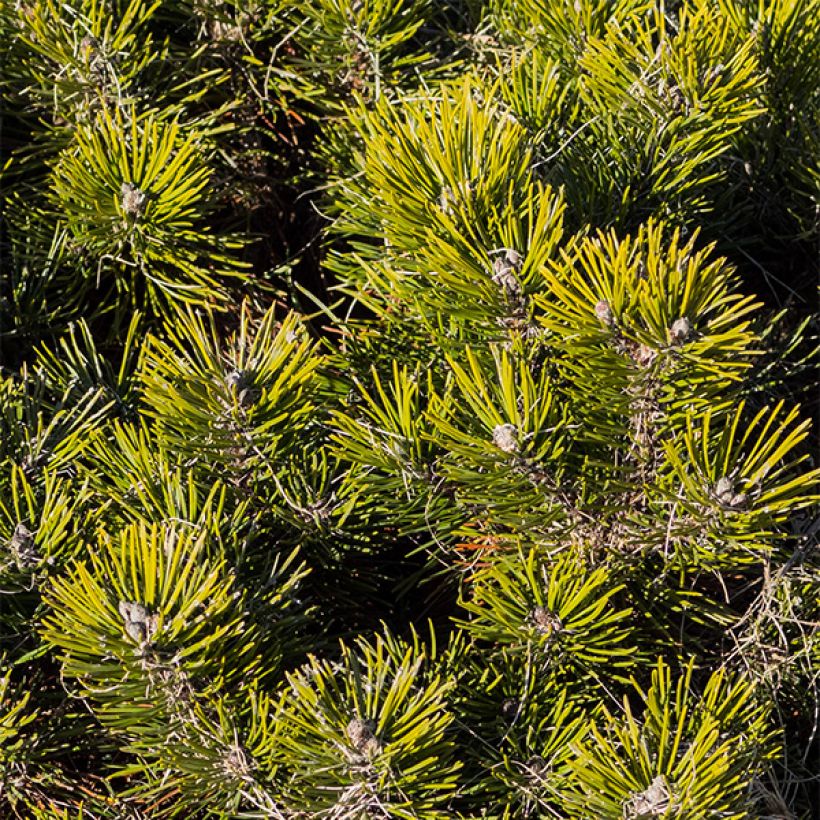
(406, 409)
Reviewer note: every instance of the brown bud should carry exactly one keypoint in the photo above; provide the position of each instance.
(133, 200)
(361, 735)
(139, 625)
(22, 538)
(643, 355)
(654, 801)
(724, 490)
(372, 748)
(132, 611)
(514, 258)
(236, 378)
(680, 331)
(505, 437)
(545, 622)
(505, 277)
(22, 547)
(604, 313)
(510, 708)
(136, 630)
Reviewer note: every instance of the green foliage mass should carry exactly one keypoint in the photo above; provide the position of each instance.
(406, 409)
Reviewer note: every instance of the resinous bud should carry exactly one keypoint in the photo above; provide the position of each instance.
(22, 547)
(545, 622)
(505, 437)
(604, 313)
(361, 734)
(22, 538)
(680, 331)
(724, 490)
(138, 624)
(133, 200)
(653, 801)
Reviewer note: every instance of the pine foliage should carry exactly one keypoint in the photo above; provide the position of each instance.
(406, 409)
